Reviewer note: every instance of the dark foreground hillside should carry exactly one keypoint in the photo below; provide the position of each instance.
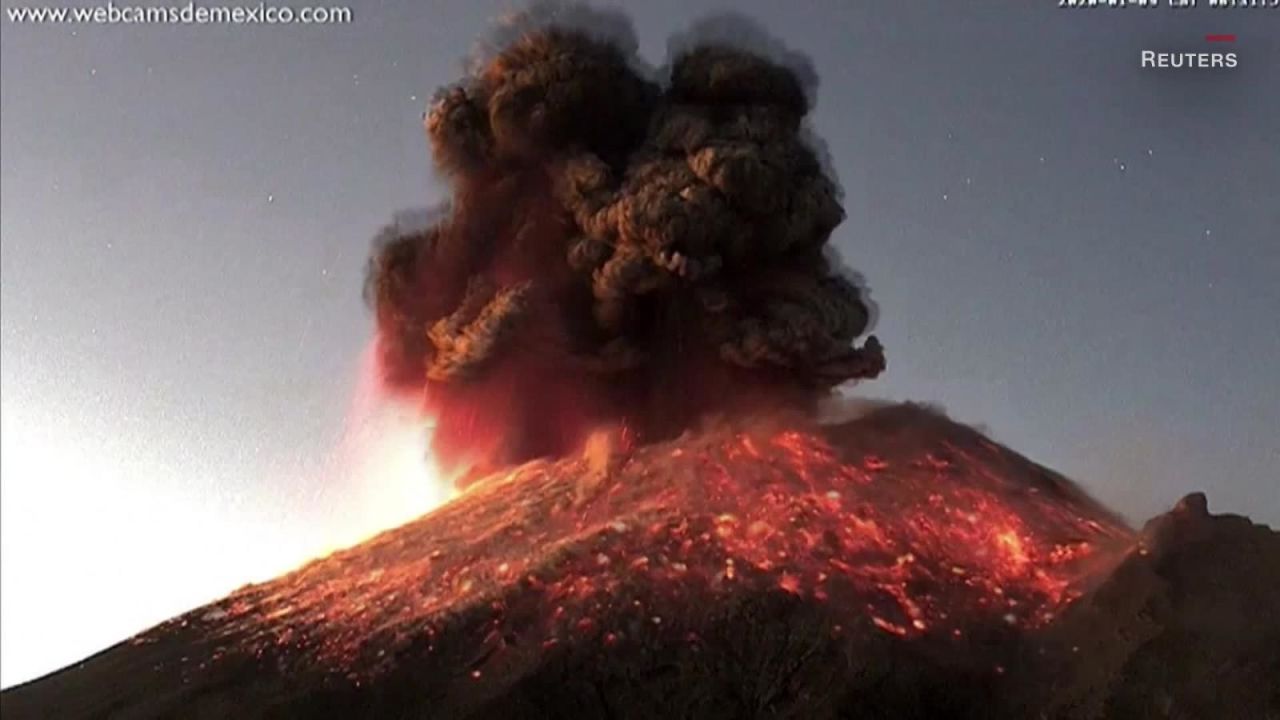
(897, 566)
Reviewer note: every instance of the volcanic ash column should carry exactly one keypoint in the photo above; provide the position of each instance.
(618, 250)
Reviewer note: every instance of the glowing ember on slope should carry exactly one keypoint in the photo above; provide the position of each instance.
(935, 543)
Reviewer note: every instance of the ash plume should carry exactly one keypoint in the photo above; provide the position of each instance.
(622, 246)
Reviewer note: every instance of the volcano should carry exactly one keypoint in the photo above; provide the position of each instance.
(896, 565)
(622, 327)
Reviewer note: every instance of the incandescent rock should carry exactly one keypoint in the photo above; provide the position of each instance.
(897, 565)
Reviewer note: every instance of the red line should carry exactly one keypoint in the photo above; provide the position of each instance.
(1220, 38)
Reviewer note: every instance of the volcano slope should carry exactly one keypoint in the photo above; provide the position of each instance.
(898, 565)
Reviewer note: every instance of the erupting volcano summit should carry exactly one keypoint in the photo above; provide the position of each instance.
(621, 327)
(898, 565)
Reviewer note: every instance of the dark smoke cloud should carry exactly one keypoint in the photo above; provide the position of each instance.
(622, 245)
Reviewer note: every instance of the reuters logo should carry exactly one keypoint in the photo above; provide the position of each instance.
(1189, 60)
(1194, 60)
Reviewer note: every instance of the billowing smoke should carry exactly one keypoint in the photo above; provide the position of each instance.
(622, 246)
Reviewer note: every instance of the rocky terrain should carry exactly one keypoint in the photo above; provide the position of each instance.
(898, 565)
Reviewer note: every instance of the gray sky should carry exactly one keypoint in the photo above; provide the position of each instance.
(1077, 254)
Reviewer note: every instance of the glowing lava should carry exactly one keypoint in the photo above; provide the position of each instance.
(935, 534)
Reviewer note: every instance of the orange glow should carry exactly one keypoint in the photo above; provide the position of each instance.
(914, 546)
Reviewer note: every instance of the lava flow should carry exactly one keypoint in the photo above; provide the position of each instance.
(938, 533)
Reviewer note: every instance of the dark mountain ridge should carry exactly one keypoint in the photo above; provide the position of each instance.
(896, 565)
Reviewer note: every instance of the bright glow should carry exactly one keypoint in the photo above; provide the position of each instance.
(99, 541)
(90, 554)
(383, 460)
